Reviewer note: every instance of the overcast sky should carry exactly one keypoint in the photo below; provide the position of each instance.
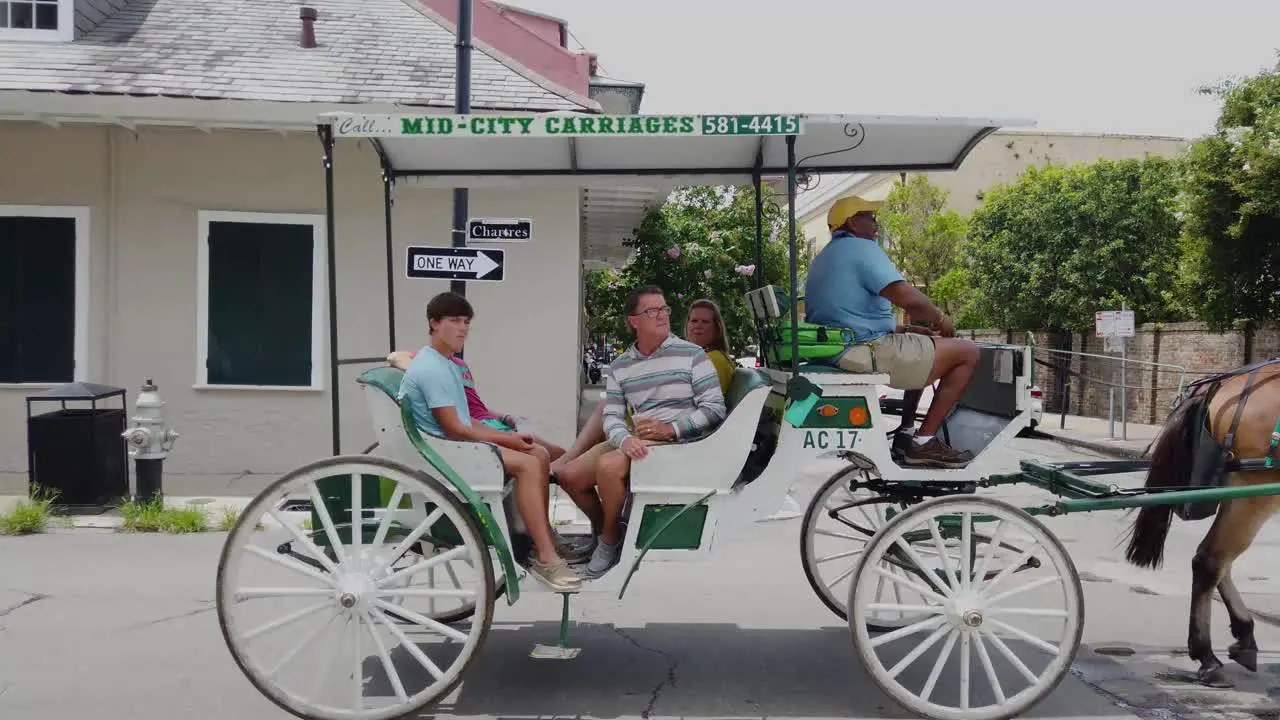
(1124, 66)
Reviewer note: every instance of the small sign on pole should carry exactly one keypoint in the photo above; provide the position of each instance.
(499, 230)
(456, 263)
(1113, 323)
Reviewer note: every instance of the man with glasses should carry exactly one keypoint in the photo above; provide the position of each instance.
(672, 392)
(853, 284)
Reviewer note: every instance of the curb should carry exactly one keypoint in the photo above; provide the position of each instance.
(1118, 451)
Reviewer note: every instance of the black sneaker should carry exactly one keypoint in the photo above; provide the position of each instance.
(935, 453)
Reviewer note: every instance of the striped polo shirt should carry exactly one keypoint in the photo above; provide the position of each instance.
(676, 384)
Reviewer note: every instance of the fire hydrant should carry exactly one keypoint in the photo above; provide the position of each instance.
(149, 442)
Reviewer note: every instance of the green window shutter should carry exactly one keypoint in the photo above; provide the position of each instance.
(260, 277)
(37, 299)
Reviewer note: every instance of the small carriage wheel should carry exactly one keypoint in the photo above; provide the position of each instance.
(384, 669)
(858, 514)
(981, 616)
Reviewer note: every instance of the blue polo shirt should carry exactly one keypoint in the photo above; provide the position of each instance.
(844, 284)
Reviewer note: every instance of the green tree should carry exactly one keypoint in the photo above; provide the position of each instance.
(1231, 204)
(924, 238)
(701, 243)
(1060, 243)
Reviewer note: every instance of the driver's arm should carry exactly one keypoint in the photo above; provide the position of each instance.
(909, 298)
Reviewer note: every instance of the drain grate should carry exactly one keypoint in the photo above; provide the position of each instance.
(1114, 650)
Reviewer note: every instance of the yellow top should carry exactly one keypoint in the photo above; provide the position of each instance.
(724, 368)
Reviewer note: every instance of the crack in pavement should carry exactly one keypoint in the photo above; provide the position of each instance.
(209, 605)
(669, 681)
(31, 600)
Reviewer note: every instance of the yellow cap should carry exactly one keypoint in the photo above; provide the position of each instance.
(845, 208)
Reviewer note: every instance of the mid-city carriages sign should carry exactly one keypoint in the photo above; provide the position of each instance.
(554, 126)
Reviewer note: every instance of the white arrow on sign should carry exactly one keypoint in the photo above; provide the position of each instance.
(482, 265)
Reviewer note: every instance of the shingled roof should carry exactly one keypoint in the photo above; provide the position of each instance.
(367, 51)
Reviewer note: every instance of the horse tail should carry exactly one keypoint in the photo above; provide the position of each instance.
(1171, 459)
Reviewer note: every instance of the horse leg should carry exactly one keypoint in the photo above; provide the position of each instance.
(1245, 649)
(1206, 572)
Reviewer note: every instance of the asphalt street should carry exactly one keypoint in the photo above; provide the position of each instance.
(110, 626)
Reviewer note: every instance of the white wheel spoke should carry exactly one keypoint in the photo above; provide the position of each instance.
(992, 548)
(430, 562)
(842, 576)
(416, 535)
(922, 567)
(953, 582)
(908, 630)
(289, 563)
(1009, 655)
(902, 580)
(842, 536)
(920, 649)
(288, 619)
(985, 659)
(326, 522)
(425, 592)
(1041, 582)
(357, 521)
(322, 674)
(964, 671)
(839, 555)
(316, 553)
(304, 643)
(966, 551)
(1010, 568)
(384, 525)
(943, 656)
(890, 607)
(1026, 612)
(387, 666)
(423, 620)
(1024, 636)
(268, 592)
(410, 646)
(357, 657)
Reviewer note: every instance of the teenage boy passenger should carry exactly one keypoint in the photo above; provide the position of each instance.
(434, 389)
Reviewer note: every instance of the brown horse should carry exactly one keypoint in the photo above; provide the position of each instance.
(1235, 523)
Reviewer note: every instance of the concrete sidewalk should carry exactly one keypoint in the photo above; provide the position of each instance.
(1096, 434)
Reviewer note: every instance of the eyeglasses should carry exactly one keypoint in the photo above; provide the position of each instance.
(655, 312)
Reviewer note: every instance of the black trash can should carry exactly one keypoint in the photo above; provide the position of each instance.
(78, 451)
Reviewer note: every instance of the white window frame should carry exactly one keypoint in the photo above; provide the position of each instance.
(80, 213)
(319, 295)
(66, 31)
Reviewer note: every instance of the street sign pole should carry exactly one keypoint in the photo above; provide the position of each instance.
(1124, 385)
(462, 106)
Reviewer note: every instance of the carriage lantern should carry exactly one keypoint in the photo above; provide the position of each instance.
(149, 440)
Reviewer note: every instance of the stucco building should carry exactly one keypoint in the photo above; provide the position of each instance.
(162, 215)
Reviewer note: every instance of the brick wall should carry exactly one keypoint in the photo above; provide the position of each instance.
(1157, 358)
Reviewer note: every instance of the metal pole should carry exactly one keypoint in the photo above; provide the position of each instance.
(755, 180)
(1124, 390)
(326, 139)
(388, 183)
(791, 231)
(462, 106)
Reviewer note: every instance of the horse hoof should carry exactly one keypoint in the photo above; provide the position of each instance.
(1214, 678)
(1248, 659)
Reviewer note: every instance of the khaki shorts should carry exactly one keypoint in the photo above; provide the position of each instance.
(906, 357)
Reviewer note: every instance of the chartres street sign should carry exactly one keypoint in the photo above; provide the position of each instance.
(549, 125)
(499, 229)
(456, 263)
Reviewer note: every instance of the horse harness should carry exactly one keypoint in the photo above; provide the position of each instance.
(1216, 382)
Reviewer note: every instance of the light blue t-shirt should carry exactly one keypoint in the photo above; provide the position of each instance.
(844, 284)
(434, 381)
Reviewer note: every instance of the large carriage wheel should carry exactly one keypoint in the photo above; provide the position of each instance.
(839, 522)
(1007, 640)
(337, 633)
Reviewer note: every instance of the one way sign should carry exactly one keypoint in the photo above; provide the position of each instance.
(457, 263)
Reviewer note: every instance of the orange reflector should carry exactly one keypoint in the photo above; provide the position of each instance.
(858, 416)
(827, 411)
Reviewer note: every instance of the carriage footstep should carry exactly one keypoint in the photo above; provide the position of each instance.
(561, 651)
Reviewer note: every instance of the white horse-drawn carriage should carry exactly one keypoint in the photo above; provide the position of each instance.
(408, 599)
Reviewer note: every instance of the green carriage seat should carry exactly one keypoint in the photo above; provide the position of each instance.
(818, 344)
(744, 381)
(387, 379)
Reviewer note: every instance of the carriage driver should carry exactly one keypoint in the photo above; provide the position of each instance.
(853, 284)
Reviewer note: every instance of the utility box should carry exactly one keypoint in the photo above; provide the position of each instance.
(78, 451)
